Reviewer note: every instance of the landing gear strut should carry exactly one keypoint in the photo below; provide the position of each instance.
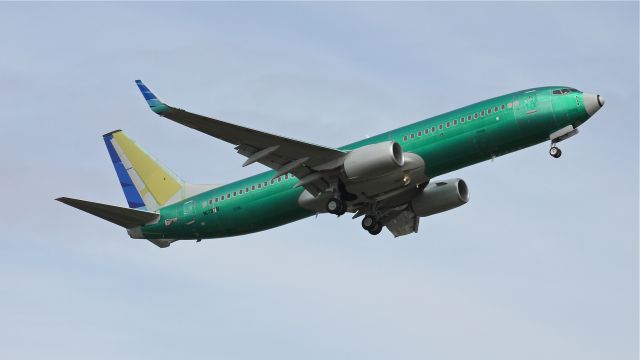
(555, 151)
(372, 225)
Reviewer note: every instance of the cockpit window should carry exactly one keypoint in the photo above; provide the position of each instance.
(564, 91)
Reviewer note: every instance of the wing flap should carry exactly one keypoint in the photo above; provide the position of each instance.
(401, 223)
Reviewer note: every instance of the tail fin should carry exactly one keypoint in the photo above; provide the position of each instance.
(146, 184)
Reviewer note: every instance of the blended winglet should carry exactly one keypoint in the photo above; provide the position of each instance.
(156, 105)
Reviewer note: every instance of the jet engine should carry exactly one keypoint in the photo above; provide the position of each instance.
(373, 160)
(440, 196)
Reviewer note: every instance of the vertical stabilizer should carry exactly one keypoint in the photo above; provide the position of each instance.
(146, 184)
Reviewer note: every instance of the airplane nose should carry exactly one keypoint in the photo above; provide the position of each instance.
(592, 102)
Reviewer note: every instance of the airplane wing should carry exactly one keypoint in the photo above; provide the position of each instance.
(308, 162)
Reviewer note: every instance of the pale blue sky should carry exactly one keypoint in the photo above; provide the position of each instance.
(541, 264)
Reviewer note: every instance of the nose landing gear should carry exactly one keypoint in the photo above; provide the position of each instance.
(555, 151)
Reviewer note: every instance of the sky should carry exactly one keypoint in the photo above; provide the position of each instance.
(541, 263)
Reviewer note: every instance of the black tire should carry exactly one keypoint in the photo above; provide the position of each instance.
(559, 153)
(368, 222)
(335, 206)
(376, 229)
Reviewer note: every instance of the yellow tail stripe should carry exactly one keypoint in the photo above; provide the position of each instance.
(160, 183)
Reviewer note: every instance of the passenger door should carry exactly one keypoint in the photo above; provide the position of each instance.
(188, 213)
(523, 108)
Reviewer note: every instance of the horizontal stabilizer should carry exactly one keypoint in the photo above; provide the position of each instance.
(124, 217)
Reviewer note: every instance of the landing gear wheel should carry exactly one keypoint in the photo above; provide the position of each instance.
(336, 206)
(376, 229)
(369, 222)
(555, 152)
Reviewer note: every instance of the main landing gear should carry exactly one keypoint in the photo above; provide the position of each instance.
(336, 206)
(372, 225)
(555, 151)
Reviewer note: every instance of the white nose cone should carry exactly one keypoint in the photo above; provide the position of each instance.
(592, 103)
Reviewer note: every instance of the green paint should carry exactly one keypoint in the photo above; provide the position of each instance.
(537, 114)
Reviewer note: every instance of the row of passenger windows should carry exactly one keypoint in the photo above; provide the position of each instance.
(461, 121)
(247, 189)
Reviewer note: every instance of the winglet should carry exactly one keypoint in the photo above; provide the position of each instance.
(156, 105)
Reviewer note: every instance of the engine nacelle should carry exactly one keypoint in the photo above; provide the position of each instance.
(373, 160)
(440, 196)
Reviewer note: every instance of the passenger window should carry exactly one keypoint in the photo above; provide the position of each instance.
(405, 138)
(433, 129)
(240, 191)
(234, 194)
(215, 200)
(412, 136)
(462, 120)
(495, 109)
(502, 107)
(272, 181)
(279, 178)
(509, 105)
(448, 123)
(516, 103)
(440, 127)
(246, 189)
(253, 187)
(228, 196)
(260, 186)
(482, 113)
(469, 118)
(419, 133)
(455, 122)
(475, 116)
(265, 184)
(489, 111)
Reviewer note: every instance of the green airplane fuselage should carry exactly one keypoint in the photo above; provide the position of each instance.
(446, 142)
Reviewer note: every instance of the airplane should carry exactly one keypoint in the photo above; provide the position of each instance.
(389, 179)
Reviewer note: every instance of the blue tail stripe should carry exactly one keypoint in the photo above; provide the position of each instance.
(156, 105)
(130, 192)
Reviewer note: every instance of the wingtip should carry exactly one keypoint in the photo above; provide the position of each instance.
(152, 100)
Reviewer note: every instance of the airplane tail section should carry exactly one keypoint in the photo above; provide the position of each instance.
(146, 184)
(127, 218)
